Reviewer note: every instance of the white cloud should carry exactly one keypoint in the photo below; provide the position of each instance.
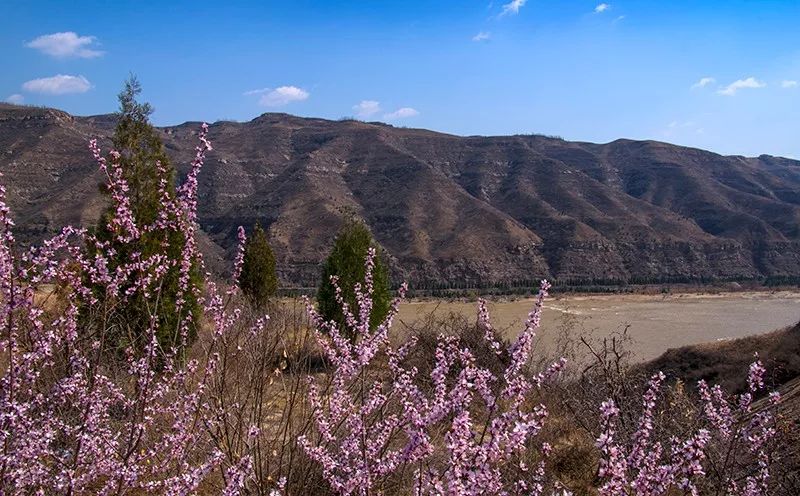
(280, 96)
(16, 99)
(789, 84)
(367, 108)
(735, 86)
(513, 7)
(602, 8)
(482, 36)
(704, 82)
(58, 85)
(401, 113)
(64, 45)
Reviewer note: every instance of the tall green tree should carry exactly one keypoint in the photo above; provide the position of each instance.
(141, 151)
(346, 261)
(258, 280)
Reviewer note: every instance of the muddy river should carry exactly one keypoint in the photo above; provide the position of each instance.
(655, 323)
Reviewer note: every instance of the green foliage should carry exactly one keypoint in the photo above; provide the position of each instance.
(141, 152)
(258, 279)
(347, 262)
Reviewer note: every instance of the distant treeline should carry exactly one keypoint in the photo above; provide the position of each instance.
(529, 287)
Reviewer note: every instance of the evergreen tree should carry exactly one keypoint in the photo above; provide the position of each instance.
(141, 151)
(258, 279)
(347, 262)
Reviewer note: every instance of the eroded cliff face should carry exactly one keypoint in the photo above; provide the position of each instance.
(449, 210)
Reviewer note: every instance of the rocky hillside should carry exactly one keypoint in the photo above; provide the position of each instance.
(467, 211)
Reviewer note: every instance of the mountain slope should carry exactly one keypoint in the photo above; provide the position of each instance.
(468, 211)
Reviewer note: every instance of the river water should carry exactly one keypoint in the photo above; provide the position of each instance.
(655, 323)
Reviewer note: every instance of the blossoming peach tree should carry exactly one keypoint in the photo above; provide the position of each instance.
(646, 467)
(70, 421)
(74, 420)
(372, 427)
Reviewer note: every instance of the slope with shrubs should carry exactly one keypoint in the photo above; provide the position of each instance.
(718, 362)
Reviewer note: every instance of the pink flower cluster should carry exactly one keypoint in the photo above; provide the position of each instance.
(69, 423)
(742, 428)
(645, 467)
(372, 426)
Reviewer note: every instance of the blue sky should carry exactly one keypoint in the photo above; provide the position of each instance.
(720, 75)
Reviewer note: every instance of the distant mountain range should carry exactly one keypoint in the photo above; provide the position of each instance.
(450, 211)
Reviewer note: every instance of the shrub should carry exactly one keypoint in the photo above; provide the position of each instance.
(344, 269)
(645, 466)
(258, 279)
(141, 165)
(372, 427)
(72, 422)
(471, 430)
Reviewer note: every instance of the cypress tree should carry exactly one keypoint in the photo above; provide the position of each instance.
(141, 150)
(258, 279)
(346, 261)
